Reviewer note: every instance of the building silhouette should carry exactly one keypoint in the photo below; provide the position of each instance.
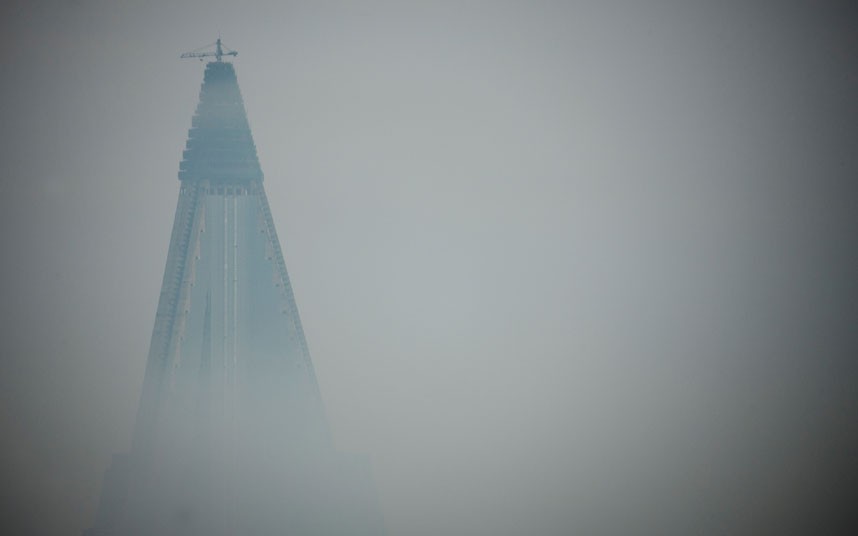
(230, 435)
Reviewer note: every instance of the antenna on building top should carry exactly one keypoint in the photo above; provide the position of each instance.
(219, 52)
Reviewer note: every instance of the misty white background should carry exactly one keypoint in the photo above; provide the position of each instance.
(563, 267)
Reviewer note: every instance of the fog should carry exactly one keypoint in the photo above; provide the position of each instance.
(563, 267)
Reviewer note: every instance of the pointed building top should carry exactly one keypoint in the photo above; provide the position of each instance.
(220, 146)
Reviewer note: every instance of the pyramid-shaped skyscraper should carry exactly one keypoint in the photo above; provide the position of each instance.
(231, 436)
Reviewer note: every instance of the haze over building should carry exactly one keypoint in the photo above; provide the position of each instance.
(580, 267)
(231, 435)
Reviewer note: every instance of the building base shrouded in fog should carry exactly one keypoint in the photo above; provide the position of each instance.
(230, 436)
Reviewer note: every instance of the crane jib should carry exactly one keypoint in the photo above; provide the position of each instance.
(217, 53)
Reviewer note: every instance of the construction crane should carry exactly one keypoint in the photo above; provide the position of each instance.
(218, 52)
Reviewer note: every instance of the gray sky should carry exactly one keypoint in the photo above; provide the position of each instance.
(563, 267)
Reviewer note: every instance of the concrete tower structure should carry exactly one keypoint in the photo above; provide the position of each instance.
(230, 436)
